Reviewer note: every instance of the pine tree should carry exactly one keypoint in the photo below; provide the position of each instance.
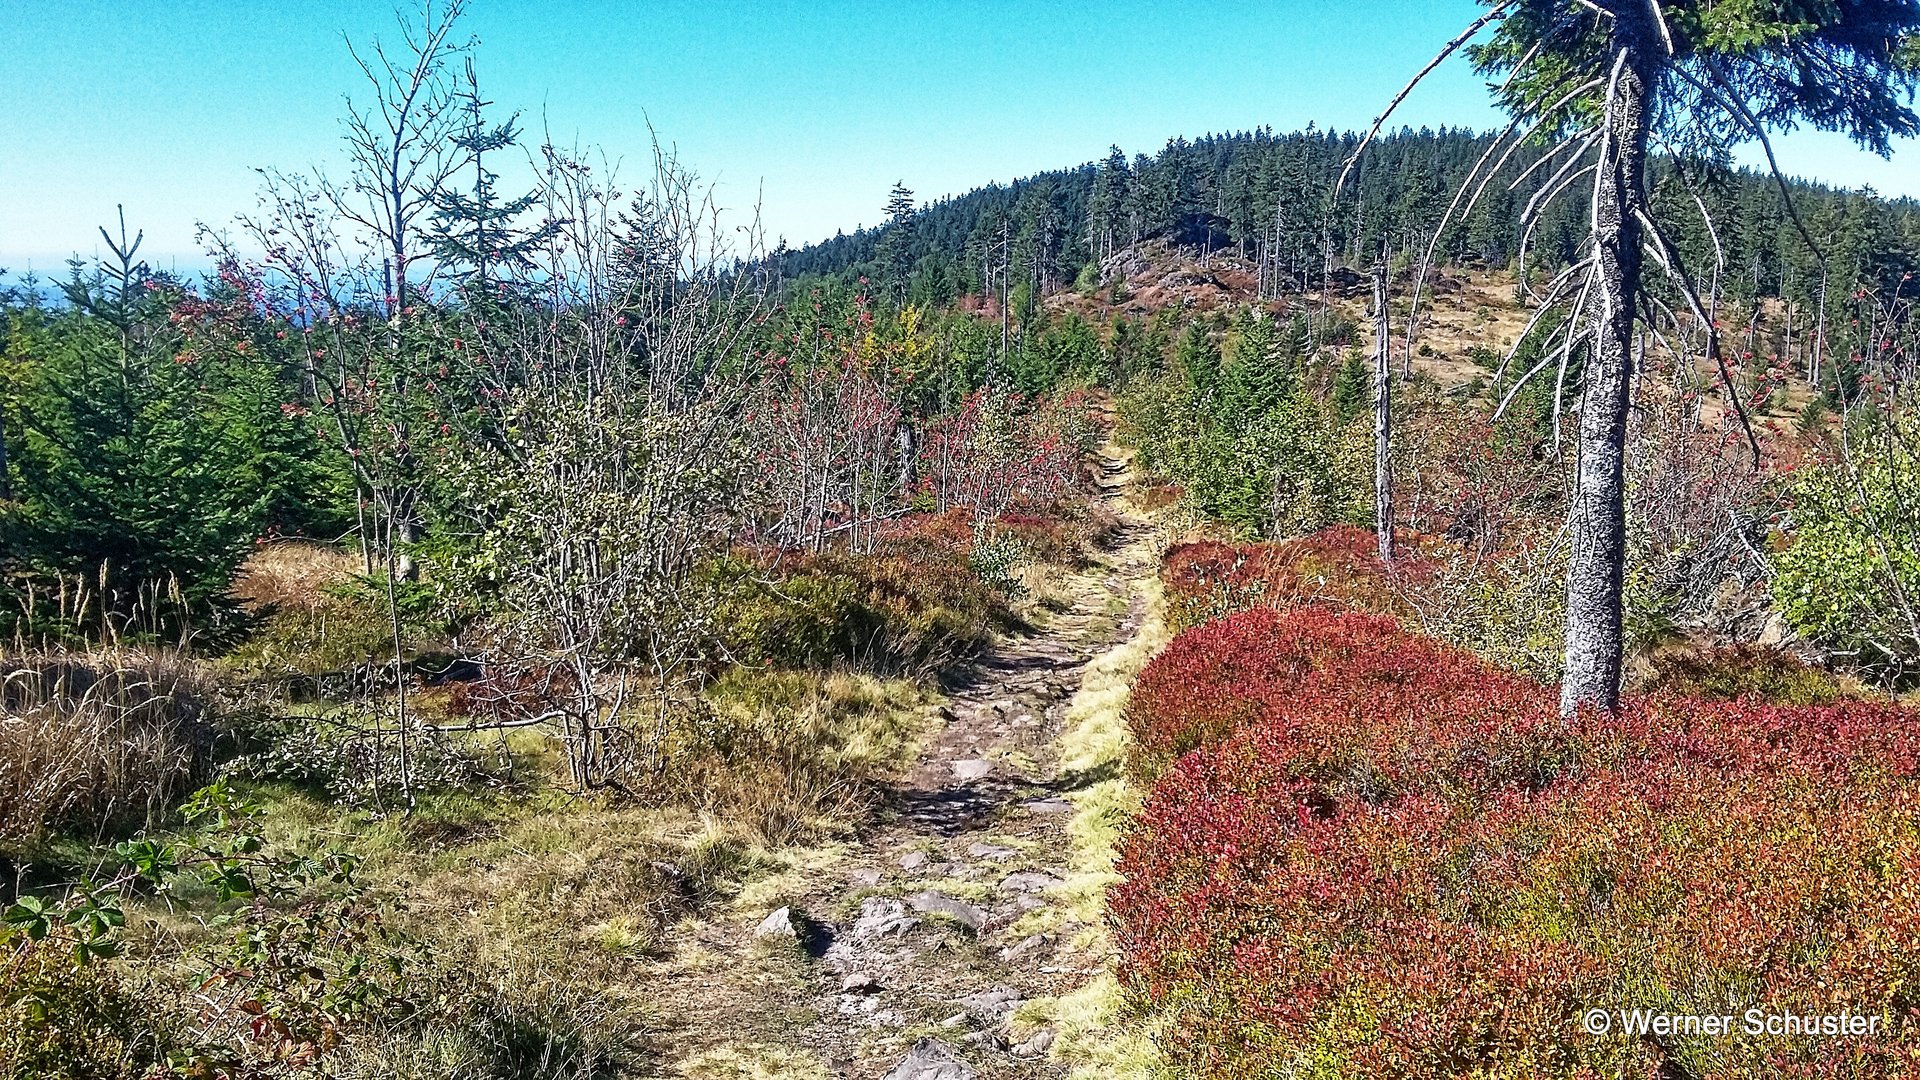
(1255, 376)
(895, 251)
(130, 474)
(1106, 206)
(1199, 358)
(1352, 387)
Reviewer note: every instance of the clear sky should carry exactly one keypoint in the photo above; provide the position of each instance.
(814, 108)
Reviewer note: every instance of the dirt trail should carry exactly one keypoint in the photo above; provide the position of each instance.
(911, 947)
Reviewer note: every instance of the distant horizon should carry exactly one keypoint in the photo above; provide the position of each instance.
(811, 110)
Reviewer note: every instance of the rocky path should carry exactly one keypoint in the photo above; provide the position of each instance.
(906, 954)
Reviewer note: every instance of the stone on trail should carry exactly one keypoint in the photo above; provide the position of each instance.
(989, 1039)
(781, 923)
(992, 1005)
(1029, 882)
(1047, 806)
(967, 770)
(938, 903)
(913, 860)
(1023, 903)
(1038, 1043)
(1025, 947)
(859, 982)
(931, 1059)
(990, 852)
(882, 917)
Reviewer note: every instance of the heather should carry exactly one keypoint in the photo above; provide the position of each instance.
(1391, 859)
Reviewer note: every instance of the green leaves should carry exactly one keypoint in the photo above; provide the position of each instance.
(1839, 65)
(90, 919)
(1851, 573)
(30, 916)
(150, 859)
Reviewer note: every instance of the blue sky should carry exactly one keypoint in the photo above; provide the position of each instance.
(813, 108)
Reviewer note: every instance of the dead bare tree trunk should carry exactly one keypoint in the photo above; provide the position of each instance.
(1596, 526)
(6, 483)
(1382, 419)
(1819, 329)
(907, 448)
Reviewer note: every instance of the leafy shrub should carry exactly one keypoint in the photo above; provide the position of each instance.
(1400, 862)
(1063, 534)
(996, 560)
(1850, 577)
(1731, 672)
(1264, 667)
(274, 996)
(316, 975)
(100, 740)
(348, 754)
(60, 1020)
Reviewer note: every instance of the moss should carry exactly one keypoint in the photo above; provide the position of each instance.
(1095, 1034)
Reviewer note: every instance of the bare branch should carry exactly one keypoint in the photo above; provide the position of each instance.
(1426, 261)
(1498, 11)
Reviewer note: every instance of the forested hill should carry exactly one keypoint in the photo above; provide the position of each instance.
(1265, 194)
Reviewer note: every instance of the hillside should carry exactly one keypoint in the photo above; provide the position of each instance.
(1264, 197)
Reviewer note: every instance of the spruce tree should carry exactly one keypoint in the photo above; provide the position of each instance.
(477, 227)
(1623, 78)
(131, 475)
(894, 253)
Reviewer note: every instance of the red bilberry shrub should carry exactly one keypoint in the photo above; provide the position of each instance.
(1381, 857)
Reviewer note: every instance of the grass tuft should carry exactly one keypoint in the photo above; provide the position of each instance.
(100, 740)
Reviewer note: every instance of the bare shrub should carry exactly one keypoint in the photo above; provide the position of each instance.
(622, 467)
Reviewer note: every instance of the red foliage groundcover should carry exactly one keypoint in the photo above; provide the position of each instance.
(1336, 567)
(1380, 857)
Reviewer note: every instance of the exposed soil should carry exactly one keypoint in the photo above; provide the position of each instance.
(904, 952)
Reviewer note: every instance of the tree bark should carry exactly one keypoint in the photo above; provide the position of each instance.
(1597, 528)
(1382, 420)
(907, 458)
(6, 477)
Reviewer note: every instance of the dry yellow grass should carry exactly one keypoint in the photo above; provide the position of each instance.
(99, 739)
(292, 574)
